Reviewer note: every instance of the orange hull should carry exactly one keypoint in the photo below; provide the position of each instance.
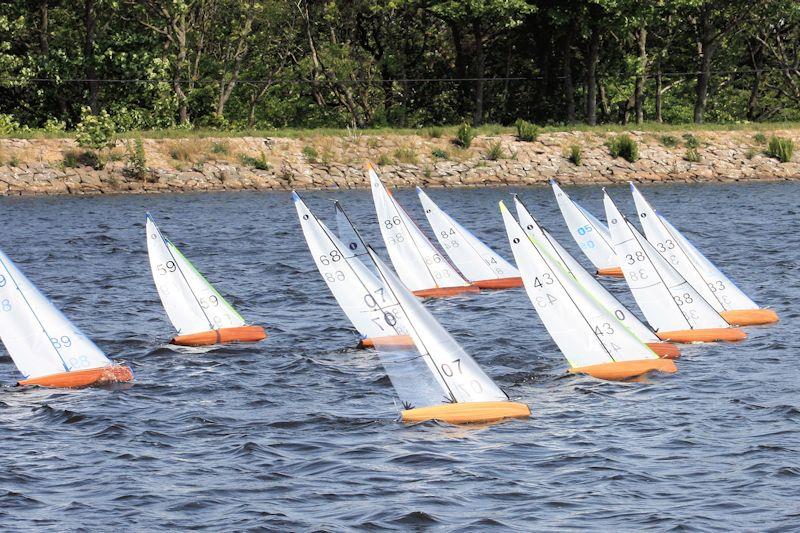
(502, 283)
(468, 412)
(664, 350)
(221, 336)
(399, 341)
(703, 335)
(622, 370)
(750, 317)
(442, 292)
(83, 378)
(614, 272)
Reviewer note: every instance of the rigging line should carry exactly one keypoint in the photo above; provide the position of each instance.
(424, 348)
(30, 307)
(457, 227)
(183, 276)
(364, 285)
(634, 231)
(571, 299)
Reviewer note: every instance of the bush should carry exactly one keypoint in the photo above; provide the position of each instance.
(137, 161)
(383, 159)
(438, 153)
(526, 131)
(691, 141)
(220, 148)
(405, 154)
(95, 131)
(435, 132)
(259, 162)
(669, 141)
(464, 135)
(7, 124)
(310, 153)
(89, 158)
(760, 138)
(179, 152)
(625, 147)
(574, 154)
(692, 155)
(54, 126)
(780, 148)
(495, 152)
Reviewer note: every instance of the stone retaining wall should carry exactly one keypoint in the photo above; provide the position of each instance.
(215, 164)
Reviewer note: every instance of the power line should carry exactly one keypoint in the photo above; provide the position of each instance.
(205, 81)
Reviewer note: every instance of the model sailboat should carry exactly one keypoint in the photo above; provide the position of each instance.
(670, 304)
(481, 265)
(421, 267)
(438, 380)
(592, 236)
(199, 313)
(557, 256)
(359, 293)
(591, 338)
(46, 347)
(723, 295)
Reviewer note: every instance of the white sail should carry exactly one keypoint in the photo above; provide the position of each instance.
(590, 234)
(191, 302)
(667, 300)
(585, 332)
(354, 244)
(457, 376)
(418, 263)
(553, 248)
(474, 259)
(370, 308)
(706, 278)
(40, 340)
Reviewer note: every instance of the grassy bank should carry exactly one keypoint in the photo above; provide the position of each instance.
(431, 131)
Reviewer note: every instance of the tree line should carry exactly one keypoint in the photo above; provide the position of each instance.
(399, 63)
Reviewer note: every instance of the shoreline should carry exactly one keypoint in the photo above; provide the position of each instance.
(42, 166)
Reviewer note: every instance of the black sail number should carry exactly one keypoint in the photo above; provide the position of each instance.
(166, 268)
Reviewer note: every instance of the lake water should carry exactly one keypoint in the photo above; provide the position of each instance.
(300, 432)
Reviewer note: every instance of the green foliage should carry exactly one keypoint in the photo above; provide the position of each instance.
(750, 153)
(526, 131)
(137, 159)
(760, 138)
(692, 155)
(435, 132)
(220, 148)
(668, 141)
(8, 125)
(625, 147)
(691, 141)
(574, 154)
(780, 148)
(53, 125)
(465, 135)
(77, 158)
(495, 152)
(383, 160)
(70, 159)
(310, 153)
(95, 131)
(438, 153)
(259, 162)
(405, 154)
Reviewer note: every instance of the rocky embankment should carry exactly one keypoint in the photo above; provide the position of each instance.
(49, 166)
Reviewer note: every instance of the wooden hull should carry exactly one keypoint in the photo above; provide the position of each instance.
(623, 370)
(502, 283)
(703, 335)
(443, 292)
(664, 350)
(613, 272)
(222, 336)
(84, 378)
(399, 341)
(468, 412)
(750, 317)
